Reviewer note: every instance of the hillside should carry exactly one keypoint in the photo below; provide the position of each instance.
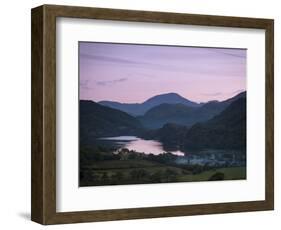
(100, 121)
(133, 109)
(182, 114)
(171, 135)
(226, 130)
(168, 113)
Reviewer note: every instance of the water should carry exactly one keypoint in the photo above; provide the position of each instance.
(205, 156)
(140, 145)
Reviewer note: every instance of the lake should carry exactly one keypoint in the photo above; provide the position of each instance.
(140, 145)
(201, 157)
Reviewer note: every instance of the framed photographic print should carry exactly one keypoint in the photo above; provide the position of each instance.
(139, 114)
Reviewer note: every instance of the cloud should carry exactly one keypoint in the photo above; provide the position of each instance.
(225, 93)
(112, 82)
(211, 94)
(130, 63)
(110, 59)
(85, 85)
(238, 91)
(238, 53)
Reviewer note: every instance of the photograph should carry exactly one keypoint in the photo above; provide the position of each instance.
(151, 113)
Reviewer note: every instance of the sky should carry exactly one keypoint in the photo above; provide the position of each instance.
(131, 73)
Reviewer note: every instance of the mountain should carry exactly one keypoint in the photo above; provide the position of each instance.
(169, 98)
(100, 121)
(182, 114)
(133, 109)
(226, 130)
(232, 99)
(162, 114)
(137, 109)
(171, 135)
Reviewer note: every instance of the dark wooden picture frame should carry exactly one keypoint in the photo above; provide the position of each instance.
(43, 207)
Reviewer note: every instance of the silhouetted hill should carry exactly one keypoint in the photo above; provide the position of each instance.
(100, 121)
(181, 114)
(170, 135)
(137, 109)
(133, 109)
(169, 98)
(239, 95)
(226, 130)
(168, 113)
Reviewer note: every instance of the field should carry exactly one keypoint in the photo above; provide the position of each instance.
(234, 173)
(139, 171)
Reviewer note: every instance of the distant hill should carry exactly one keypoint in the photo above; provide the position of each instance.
(182, 114)
(162, 114)
(169, 98)
(133, 109)
(137, 109)
(100, 121)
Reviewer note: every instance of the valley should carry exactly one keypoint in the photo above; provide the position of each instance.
(171, 139)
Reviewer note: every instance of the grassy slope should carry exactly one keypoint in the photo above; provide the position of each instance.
(234, 173)
(127, 166)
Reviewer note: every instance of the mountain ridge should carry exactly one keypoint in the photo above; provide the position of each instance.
(181, 114)
(227, 130)
(137, 109)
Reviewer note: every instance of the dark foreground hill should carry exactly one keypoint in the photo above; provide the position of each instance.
(100, 121)
(227, 130)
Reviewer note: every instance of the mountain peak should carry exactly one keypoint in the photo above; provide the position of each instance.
(137, 109)
(169, 98)
(171, 94)
(174, 95)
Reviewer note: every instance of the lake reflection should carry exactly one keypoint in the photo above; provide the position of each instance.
(140, 145)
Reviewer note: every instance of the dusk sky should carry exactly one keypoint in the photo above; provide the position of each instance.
(131, 73)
